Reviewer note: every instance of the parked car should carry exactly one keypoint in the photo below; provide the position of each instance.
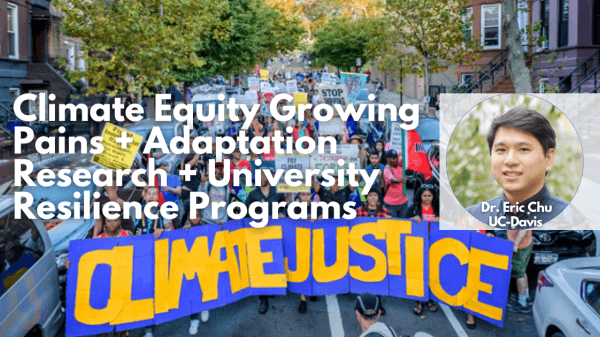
(429, 131)
(29, 289)
(567, 299)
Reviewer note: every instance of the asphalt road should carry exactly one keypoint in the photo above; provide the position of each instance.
(334, 316)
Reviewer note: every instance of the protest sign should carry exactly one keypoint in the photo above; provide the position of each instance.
(348, 153)
(265, 111)
(300, 98)
(335, 94)
(266, 87)
(396, 138)
(120, 284)
(354, 83)
(264, 75)
(325, 77)
(114, 156)
(296, 161)
(332, 127)
(292, 86)
(253, 83)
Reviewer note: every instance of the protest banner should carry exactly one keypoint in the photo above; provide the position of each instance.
(264, 75)
(354, 83)
(335, 94)
(114, 156)
(325, 77)
(327, 160)
(253, 84)
(296, 161)
(300, 98)
(291, 86)
(130, 282)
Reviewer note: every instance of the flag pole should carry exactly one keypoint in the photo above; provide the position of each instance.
(403, 158)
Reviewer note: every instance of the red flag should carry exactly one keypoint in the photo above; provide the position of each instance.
(417, 158)
(257, 70)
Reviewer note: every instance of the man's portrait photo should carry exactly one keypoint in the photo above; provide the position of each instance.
(521, 166)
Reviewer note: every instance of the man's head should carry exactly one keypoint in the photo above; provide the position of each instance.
(392, 158)
(522, 147)
(195, 222)
(237, 154)
(367, 309)
(163, 166)
(305, 197)
(374, 158)
(151, 194)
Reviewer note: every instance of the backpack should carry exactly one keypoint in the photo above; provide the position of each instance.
(377, 334)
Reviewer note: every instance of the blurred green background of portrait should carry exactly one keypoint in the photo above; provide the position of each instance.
(468, 159)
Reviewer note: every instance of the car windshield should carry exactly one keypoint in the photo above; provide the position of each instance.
(429, 130)
(364, 95)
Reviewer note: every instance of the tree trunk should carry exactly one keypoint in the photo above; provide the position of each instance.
(426, 79)
(185, 90)
(516, 59)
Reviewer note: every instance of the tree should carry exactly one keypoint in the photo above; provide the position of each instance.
(132, 45)
(256, 32)
(422, 37)
(517, 66)
(341, 41)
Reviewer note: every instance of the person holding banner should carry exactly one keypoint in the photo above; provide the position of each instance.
(395, 199)
(334, 194)
(425, 207)
(266, 194)
(306, 198)
(215, 194)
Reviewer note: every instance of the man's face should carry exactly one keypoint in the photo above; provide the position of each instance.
(393, 161)
(518, 162)
(219, 172)
(151, 194)
(305, 197)
(237, 155)
(355, 142)
(164, 167)
(374, 160)
(263, 180)
(196, 221)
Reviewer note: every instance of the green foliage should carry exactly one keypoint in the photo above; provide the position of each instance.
(256, 32)
(468, 159)
(342, 40)
(423, 36)
(132, 45)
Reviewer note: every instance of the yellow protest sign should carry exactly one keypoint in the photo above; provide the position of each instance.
(114, 156)
(264, 75)
(300, 98)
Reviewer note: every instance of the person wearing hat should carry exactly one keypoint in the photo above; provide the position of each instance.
(368, 309)
(266, 193)
(362, 153)
(395, 200)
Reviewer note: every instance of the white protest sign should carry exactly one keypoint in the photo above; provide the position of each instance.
(334, 126)
(349, 153)
(253, 83)
(325, 77)
(334, 94)
(396, 137)
(292, 86)
(286, 162)
(266, 87)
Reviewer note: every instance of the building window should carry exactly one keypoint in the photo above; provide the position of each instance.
(468, 23)
(563, 23)
(491, 26)
(13, 31)
(70, 55)
(544, 83)
(466, 78)
(545, 15)
(80, 60)
(14, 93)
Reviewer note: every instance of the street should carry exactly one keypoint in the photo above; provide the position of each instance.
(334, 316)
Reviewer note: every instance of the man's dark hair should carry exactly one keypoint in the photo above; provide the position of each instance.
(526, 120)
